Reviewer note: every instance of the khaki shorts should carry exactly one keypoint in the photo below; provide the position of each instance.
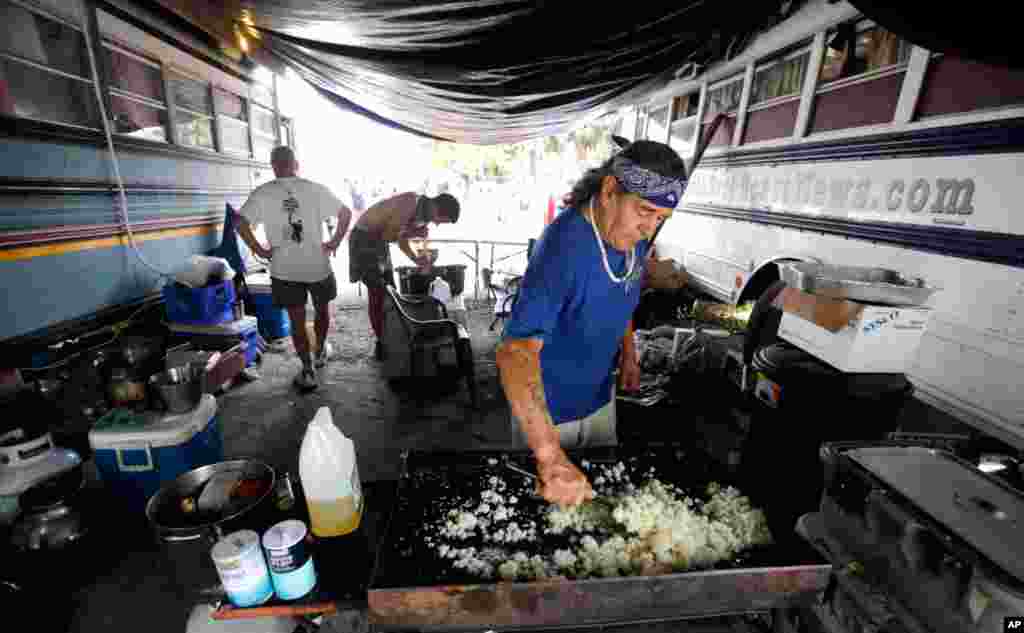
(597, 429)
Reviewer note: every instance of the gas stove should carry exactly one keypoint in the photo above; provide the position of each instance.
(925, 533)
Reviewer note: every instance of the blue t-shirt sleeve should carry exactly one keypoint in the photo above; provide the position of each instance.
(547, 287)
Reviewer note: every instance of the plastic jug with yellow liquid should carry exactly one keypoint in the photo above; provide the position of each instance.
(330, 478)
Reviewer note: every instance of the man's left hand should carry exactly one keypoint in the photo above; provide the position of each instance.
(629, 371)
(330, 248)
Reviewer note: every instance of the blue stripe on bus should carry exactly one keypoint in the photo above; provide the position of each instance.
(997, 248)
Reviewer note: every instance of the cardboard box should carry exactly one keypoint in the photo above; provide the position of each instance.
(852, 337)
(666, 274)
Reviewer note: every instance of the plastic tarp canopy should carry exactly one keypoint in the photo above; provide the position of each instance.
(498, 71)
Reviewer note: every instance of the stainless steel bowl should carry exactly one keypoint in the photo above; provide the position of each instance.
(178, 387)
(186, 546)
(165, 505)
(869, 285)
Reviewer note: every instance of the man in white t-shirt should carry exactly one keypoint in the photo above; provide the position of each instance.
(293, 211)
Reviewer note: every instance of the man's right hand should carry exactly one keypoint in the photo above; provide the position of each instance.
(561, 482)
(265, 253)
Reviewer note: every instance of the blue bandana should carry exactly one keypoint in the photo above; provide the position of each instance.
(659, 190)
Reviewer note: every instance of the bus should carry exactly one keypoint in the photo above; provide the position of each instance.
(844, 144)
(191, 127)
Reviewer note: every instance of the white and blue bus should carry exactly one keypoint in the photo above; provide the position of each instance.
(192, 129)
(847, 145)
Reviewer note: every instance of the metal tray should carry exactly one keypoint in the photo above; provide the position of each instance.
(413, 587)
(870, 285)
(982, 510)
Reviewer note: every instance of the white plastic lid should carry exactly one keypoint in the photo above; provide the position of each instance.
(164, 430)
(18, 479)
(241, 326)
(284, 534)
(235, 545)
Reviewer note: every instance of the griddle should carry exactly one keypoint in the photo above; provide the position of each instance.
(412, 586)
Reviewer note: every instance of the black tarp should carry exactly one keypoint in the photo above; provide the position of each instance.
(499, 71)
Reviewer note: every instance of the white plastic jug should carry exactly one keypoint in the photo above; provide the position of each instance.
(440, 290)
(330, 477)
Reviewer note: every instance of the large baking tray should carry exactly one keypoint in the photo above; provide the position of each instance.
(982, 510)
(870, 285)
(412, 587)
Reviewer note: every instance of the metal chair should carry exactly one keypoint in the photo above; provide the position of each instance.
(427, 330)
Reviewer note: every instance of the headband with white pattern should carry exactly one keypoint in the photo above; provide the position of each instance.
(659, 190)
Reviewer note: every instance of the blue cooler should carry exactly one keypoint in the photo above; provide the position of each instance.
(135, 461)
(273, 321)
(208, 305)
(220, 337)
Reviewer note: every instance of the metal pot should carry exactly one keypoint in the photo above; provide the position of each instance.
(179, 388)
(49, 520)
(186, 546)
(54, 527)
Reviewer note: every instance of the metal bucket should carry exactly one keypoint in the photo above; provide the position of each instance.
(179, 387)
(186, 546)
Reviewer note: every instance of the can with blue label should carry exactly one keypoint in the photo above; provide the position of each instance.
(289, 559)
(242, 568)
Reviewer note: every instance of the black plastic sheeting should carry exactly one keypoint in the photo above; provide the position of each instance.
(500, 71)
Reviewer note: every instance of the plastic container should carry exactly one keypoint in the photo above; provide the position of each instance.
(135, 461)
(330, 478)
(273, 321)
(441, 290)
(208, 305)
(239, 560)
(220, 337)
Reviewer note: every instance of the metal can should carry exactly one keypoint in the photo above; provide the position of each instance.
(284, 494)
(239, 560)
(289, 559)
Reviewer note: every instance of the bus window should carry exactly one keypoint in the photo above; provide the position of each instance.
(287, 133)
(861, 77)
(264, 136)
(193, 111)
(657, 124)
(775, 97)
(43, 69)
(953, 85)
(232, 122)
(723, 97)
(137, 106)
(857, 49)
(684, 124)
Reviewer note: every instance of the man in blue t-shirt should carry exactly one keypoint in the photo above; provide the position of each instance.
(573, 313)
